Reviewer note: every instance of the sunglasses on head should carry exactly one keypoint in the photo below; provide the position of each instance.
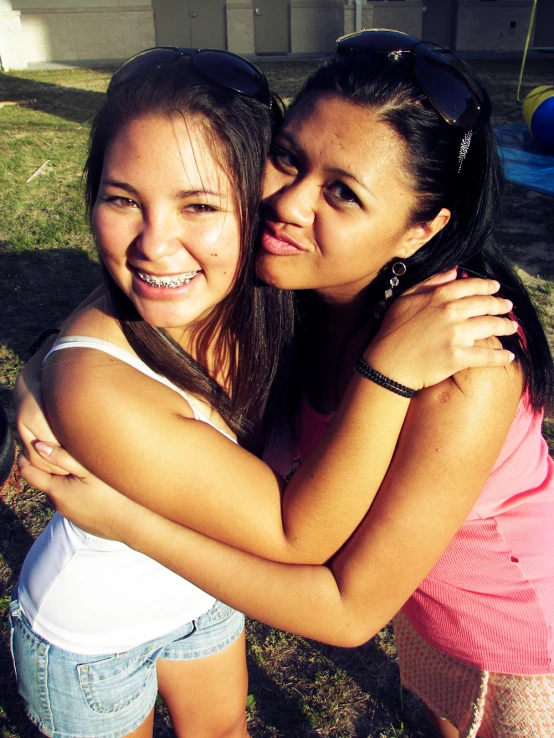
(222, 67)
(443, 84)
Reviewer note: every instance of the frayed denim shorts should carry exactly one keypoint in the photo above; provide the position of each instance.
(71, 695)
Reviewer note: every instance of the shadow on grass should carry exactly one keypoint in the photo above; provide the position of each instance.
(276, 707)
(70, 103)
(38, 289)
(18, 523)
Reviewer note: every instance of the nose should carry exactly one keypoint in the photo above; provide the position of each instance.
(290, 199)
(158, 237)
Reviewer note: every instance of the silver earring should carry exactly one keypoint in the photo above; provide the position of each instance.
(464, 148)
(398, 270)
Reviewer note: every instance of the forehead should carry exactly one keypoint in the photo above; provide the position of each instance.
(338, 129)
(175, 147)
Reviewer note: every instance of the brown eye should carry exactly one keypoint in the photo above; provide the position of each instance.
(284, 159)
(200, 207)
(343, 193)
(120, 202)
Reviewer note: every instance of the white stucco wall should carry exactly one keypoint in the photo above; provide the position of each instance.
(12, 47)
(70, 30)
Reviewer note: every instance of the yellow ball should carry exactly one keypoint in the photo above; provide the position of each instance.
(538, 113)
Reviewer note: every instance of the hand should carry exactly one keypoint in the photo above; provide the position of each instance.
(429, 333)
(78, 495)
(32, 423)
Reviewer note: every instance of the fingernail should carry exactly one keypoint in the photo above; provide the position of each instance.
(43, 448)
(515, 324)
(510, 303)
(495, 282)
(512, 356)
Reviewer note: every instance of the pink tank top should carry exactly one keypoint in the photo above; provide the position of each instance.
(489, 600)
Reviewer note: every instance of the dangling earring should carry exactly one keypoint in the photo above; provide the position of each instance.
(464, 148)
(398, 270)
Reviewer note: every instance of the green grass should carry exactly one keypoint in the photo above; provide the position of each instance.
(48, 264)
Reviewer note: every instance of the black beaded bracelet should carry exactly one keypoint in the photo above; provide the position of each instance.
(370, 373)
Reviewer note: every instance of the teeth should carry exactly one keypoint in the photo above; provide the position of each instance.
(166, 282)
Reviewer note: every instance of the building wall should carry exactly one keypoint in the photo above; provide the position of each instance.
(489, 24)
(72, 30)
(402, 16)
(315, 24)
(350, 17)
(57, 30)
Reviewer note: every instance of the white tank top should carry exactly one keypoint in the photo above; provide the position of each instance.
(90, 595)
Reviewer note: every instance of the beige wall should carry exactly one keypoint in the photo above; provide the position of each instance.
(86, 33)
(72, 30)
(487, 25)
(402, 16)
(77, 4)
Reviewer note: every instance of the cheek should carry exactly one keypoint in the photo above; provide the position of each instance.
(223, 250)
(106, 228)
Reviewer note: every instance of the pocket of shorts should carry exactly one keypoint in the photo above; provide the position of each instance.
(113, 683)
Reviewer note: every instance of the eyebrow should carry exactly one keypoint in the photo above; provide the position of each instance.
(333, 170)
(180, 195)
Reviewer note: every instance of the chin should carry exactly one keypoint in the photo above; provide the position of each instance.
(277, 274)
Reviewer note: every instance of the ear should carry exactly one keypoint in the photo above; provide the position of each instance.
(418, 235)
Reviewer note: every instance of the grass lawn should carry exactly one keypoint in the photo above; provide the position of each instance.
(48, 264)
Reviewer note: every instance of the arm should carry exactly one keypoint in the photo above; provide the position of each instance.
(96, 405)
(32, 423)
(448, 446)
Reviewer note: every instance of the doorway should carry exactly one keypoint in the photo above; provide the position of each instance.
(544, 24)
(271, 26)
(438, 22)
(191, 23)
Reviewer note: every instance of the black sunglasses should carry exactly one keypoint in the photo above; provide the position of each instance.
(222, 67)
(443, 84)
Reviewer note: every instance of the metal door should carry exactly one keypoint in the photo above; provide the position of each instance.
(207, 24)
(172, 22)
(544, 24)
(438, 22)
(192, 23)
(271, 26)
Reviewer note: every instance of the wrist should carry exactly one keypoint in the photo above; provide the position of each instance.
(371, 374)
(391, 365)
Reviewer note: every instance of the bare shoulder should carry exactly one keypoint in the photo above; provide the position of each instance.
(89, 387)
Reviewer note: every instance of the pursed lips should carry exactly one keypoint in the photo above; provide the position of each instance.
(279, 242)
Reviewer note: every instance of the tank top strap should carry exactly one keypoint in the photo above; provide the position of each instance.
(122, 355)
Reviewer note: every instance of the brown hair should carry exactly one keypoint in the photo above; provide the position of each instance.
(247, 330)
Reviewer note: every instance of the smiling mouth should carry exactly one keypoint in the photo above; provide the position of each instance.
(167, 282)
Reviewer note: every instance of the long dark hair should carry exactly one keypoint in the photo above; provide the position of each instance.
(247, 330)
(473, 195)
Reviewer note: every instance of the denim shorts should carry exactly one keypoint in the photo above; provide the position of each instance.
(71, 695)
